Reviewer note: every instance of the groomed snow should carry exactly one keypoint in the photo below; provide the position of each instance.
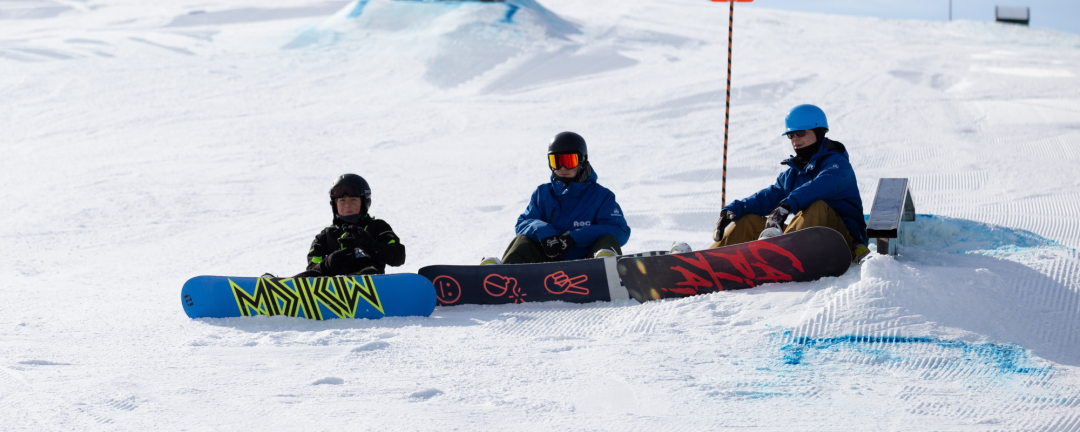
(145, 143)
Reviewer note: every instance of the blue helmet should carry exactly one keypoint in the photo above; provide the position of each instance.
(805, 117)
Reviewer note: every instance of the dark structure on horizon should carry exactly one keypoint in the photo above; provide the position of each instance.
(1012, 14)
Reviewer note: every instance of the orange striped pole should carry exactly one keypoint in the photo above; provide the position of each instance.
(727, 106)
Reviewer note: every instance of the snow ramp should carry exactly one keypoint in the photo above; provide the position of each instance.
(520, 43)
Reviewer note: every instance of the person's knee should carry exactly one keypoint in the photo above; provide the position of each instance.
(607, 242)
(522, 250)
(821, 214)
(742, 230)
(751, 222)
(817, 207)
(816, 213)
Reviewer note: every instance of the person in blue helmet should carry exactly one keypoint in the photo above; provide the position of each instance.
(818, 188)
(571, 217)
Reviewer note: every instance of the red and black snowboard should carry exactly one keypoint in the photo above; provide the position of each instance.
(801, 256)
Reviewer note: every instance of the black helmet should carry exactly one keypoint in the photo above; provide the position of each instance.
(568, 142)
(351, 185)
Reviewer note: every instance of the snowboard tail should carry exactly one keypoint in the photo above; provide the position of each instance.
(317, 298)
(801, 256)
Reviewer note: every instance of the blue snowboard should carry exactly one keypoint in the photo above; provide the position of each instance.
(317, 298)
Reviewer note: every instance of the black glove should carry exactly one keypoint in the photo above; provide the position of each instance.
(356, 237)
(340, 261)
(726, 217)
(778, 217)
(557, 246)
(347, 241)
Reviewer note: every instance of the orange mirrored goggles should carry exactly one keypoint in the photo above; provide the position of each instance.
(568, 161)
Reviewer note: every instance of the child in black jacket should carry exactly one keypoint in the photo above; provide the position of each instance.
(356, 243)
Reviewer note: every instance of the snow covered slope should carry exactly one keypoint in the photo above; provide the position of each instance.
(146, 143)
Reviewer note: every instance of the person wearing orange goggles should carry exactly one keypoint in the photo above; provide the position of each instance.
(571, 217)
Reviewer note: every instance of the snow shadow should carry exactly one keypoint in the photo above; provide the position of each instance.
(32, 9)
(260, 324)
(444, 316)
(765, 93)
(1007, 284)
(247, 15)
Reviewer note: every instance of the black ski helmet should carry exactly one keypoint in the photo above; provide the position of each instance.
(351, 185)
(569, 142)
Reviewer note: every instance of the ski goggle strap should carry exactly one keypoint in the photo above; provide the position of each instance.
(568, 160)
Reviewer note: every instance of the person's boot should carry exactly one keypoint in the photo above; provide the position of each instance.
(679, 247)
(860, 252)
(604, 253)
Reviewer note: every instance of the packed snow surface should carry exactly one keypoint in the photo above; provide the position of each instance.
(145, 143)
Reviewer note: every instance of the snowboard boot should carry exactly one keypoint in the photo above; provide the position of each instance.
(770, 232)
(491, 261)
(860, 252)
(604, 253)
(679, 247)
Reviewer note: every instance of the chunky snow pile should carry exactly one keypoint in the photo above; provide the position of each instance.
(145, 143)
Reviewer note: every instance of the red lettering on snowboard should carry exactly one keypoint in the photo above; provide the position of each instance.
(748, 278)
(756, 247)
(740, 263)
(692, 285)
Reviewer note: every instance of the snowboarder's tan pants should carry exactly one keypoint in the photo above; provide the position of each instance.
(749, 227)
(525, 251)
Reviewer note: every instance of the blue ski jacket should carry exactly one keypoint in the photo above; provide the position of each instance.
(827, 176)
(586, 210)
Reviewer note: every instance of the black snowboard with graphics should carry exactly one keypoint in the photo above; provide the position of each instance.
(801, 256)
(581, 281)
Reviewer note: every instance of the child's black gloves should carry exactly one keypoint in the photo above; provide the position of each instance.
(557, 246)
(356, 237)
(341, 261)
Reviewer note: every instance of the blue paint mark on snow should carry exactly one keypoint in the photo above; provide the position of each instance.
(962, 236)
(358, 9)
(510, 11)
(746, 394)
(1006, 358)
